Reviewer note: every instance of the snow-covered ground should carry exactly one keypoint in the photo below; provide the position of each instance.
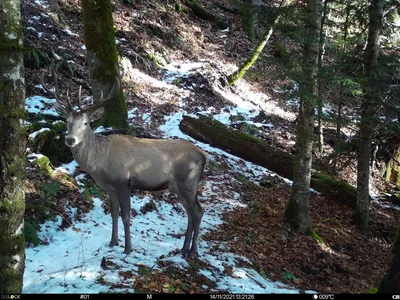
(70, 262)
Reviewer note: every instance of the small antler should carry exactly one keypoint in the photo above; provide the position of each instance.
(56, 92)
(80, 98)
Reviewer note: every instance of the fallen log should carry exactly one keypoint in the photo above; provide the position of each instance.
(203, 14)
(254, 150)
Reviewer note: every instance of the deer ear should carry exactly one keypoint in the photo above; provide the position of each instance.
(95, 115)
(61, 110)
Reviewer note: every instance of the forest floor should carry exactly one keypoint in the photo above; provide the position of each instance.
(173, 62)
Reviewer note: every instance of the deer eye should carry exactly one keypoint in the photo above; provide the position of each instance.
(85, 123)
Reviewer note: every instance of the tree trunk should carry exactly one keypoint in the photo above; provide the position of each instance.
(234, 77)
(255, 9)
(368, 108)
(12, 149)
(393, 168)
(102, 55)
(391, 281)
(257, 151)
(320, 141)
(340, 104)
(297, 211)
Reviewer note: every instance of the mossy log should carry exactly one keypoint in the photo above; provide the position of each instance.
(257, 151)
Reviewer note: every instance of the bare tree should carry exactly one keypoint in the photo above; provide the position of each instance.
(12, 149)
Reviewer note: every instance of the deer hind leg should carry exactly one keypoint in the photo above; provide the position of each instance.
(189, 231)
(195, 213)
(198, 212)
(125, 203)
(114, 206)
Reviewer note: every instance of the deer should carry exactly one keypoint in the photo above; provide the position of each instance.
(120, 164)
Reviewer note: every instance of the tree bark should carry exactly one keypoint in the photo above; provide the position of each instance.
(297, 211)
(255, 9)
(12, 149)
(102, 55)
(368, 108)
(237, 75)
(340, 100)
(391, 281)
(321, 54)
(257, 151)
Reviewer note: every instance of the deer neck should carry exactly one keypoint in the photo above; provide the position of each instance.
(91, 152)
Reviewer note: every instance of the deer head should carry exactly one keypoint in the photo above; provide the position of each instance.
(78, 121)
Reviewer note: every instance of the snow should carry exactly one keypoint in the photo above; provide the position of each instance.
(70, 263)
(39, 104)
(101, 129)
(34, 134)
(68, 168)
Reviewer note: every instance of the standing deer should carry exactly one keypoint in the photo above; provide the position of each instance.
(120, 164)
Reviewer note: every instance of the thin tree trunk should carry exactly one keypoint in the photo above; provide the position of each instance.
(234, 77)
(339, 120)
(297, 211)
(340, 104)
(320, 141)
(255, 9)
(391, 281)
(368, 108)
(102, 55)
(12, 149)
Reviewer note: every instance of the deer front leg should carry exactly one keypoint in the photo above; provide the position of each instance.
(124, 198)
(114, 206)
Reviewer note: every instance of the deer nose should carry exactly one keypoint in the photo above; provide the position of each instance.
(70, 142)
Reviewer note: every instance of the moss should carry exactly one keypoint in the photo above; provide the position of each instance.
(100, 42)
(36, 126)
(339, 189)
(178, 6)
(12, 147)
(18, 113)
(16, 167)
(59, 127)
(11, 23)
(234, 77)
(52, 144)
(31, 236)
(314, 235)
(43, 164)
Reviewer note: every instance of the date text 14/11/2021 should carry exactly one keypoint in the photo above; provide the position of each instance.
(232, 296)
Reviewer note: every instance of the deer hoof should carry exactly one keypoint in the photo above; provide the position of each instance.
(193, 254)
(127, 251)
(184, 253)
(112, 244)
